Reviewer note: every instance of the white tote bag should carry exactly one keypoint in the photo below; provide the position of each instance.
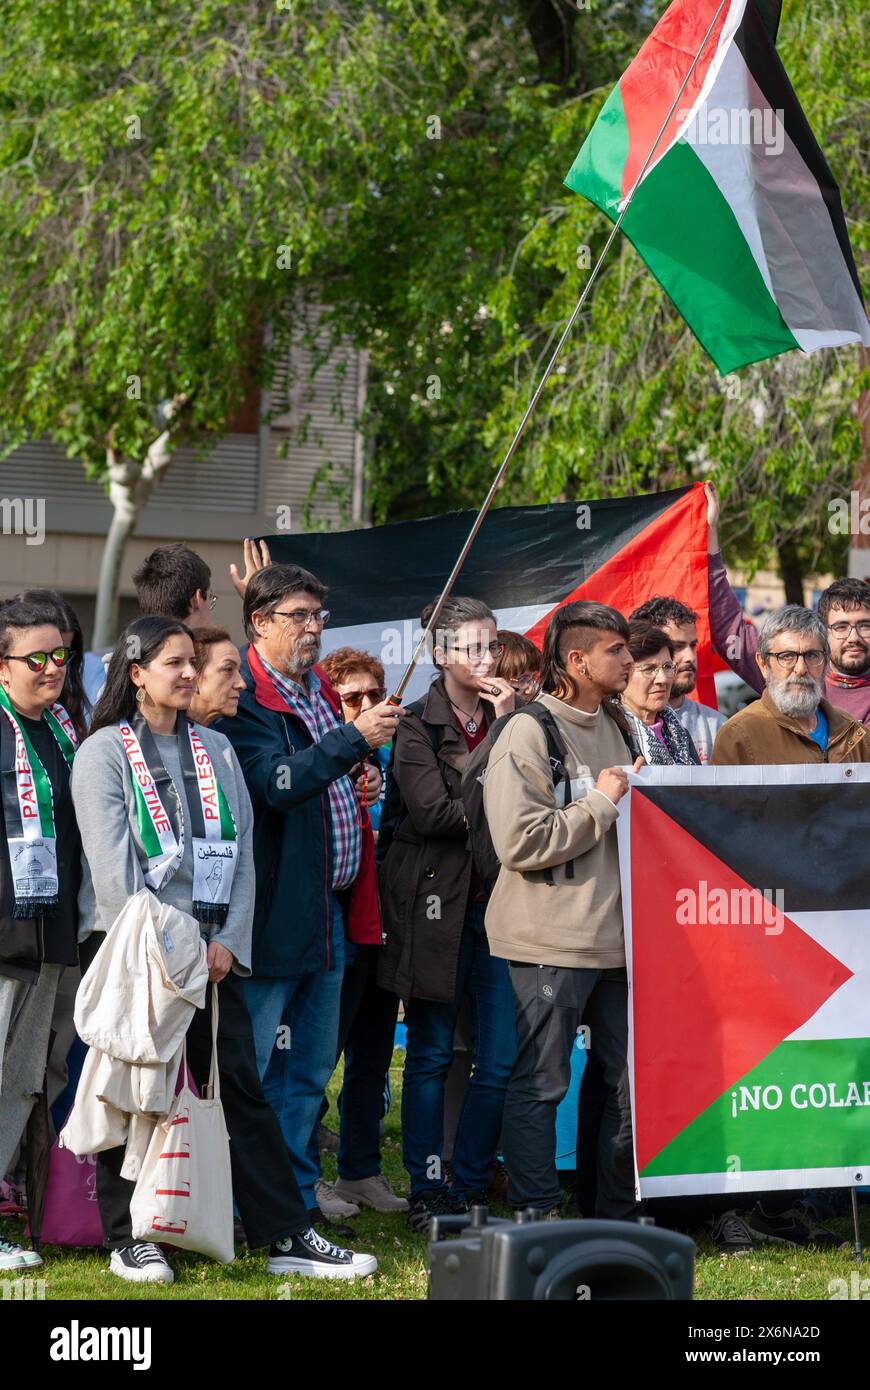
(184, 1193)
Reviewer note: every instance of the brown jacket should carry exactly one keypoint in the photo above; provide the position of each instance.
(424, 880)
(760, 733)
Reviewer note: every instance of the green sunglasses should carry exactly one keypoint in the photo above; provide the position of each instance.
(37, 661)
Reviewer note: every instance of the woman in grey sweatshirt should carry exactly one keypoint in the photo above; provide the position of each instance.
(161, 803)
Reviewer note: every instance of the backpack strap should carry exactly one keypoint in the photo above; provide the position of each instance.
(557, 754)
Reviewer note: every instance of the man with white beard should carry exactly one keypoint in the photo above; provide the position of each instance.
(792, 722)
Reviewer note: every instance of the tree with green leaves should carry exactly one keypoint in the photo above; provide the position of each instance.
(179, 177)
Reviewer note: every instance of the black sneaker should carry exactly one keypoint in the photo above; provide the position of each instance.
(792, 1227)
(731, 1235)
(141, 1263)
(472, 1199)
(437, 1203)
(315, 1257)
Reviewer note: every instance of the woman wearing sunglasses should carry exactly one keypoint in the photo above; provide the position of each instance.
(39, 863)
(75, 699)
(367, 1018)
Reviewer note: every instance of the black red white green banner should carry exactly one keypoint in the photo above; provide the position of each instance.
(747, 921)
(525, 563)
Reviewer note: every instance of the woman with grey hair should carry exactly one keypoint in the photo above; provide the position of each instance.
(658, 733)
(433, 905)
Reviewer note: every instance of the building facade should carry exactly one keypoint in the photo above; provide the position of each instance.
(262, 476)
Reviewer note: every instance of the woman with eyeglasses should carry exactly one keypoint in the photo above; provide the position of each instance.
(433, 903)
(660, 737)
(78, 707)
(519, 662)
(39, 863)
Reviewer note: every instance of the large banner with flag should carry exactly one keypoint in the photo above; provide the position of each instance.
(525, 563)
(747, 918)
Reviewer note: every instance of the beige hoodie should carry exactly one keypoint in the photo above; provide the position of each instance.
(575, 921)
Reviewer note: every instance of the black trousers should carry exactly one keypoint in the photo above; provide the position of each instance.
(551, 1002)
(366, 1035)
(264, 1184)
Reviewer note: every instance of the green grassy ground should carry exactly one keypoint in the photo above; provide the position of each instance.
(772, 1273)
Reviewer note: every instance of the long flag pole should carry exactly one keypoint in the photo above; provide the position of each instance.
(514, 444)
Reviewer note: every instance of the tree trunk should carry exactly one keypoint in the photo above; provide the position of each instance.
(791, 571)
(106, 616)
(130, 485)
(550, 24)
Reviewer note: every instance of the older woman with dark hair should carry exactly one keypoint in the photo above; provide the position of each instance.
(219, 681)
(658, 732)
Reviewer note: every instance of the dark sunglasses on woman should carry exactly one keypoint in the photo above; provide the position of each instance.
(355, 698)
(37, 661)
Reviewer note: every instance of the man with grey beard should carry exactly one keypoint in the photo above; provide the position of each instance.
(792, 722)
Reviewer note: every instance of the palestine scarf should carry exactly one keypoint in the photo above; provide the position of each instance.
(160, 824)
(28, 808)
(678, 748)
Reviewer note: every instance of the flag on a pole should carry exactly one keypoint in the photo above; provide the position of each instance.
(746, 913)
(738, 216)
(525, 563)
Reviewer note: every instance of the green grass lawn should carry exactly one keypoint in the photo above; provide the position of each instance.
(772, 1273)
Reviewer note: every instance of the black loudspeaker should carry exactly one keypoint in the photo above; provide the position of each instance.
(574, 1261)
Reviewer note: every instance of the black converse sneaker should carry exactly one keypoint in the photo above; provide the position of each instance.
(311, 1254)
(141, 1263)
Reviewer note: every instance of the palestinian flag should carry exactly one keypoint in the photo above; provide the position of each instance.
(738, 216)
(525, 563)
(747, 910)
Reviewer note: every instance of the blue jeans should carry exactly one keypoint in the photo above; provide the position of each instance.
(295, 1022)
(430, 1029)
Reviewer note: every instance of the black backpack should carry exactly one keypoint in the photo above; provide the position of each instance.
(394, 810)
(485, 858)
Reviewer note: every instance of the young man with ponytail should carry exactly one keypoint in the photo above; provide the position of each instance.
(555, 913)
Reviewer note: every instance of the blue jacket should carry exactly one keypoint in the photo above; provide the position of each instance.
(288, 776)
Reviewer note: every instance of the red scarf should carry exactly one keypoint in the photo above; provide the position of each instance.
(848, 682)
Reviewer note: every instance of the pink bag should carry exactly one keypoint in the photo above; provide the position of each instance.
(71, 1215)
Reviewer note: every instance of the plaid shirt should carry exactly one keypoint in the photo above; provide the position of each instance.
(317, 716)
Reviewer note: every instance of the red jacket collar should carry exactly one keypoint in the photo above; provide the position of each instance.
(266, 695)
